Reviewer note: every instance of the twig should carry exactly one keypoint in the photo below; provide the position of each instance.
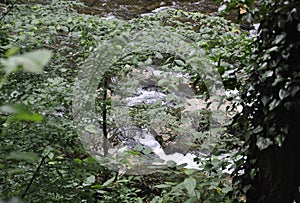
(104, 117)
(8, 10)
(34, 176)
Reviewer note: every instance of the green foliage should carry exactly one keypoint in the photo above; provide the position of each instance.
(42, 159)
(271, 108)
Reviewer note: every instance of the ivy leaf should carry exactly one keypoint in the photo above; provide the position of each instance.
(89, 180)
(190, 185)
(274, 104)
(31, 62)
(279, 38)
(138, 147)
(263, 143)
(179, 62)
(283, 94)
(148, 150)
(158, 55)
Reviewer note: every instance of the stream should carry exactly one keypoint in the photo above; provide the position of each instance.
(145, 137)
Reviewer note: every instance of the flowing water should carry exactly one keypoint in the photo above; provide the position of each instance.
(128, 9)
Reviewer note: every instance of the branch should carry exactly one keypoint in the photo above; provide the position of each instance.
(8, 10)
(104, 117)
(34, 176)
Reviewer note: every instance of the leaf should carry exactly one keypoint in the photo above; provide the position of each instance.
(12, 51)
(222, 8)
(91, 129)
(179, 62)
(190, 185)
(274, 104)
(108, 182)
(158, 55)
(162, 186)
(267, 74)
(263, 143)
(170, 97)
(283, 94)
(191, 200)
(31, 62)
(12, 109)
(28, 117)
(243, 11)
(98, 186)
(171, 163)
(148, 62)
(20, 113)
(77, 160)
(101, 191)
(279, 38)
(138, 147)
(148, 150)
(90, 160)
(225, 190)
(47, 151)
(89, 180)
(23, 156)
(279, 139)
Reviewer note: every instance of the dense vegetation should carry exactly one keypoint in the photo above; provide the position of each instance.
(42, 158)
(271, 106)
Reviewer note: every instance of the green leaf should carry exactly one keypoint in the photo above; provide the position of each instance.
(98, 186)
(90, 160)
(179, 62)
(191, 200)
(283, 93)
(162, 186)
(31, 62)
(222, 8)
(28, 117)
(77, 160)
(171, 163)
(279, 139)
(225, 190)
(133, 152)
(91, 129)
(263, 143)
(47, 151)
(138, 147)
(12, 51)
(190, 185)
(23, 156)
(148, 62)
(148, 150)
(89, 180)
(108, 182)
(170, 97)
(101, 191)
(20, 113)
(158, 55)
